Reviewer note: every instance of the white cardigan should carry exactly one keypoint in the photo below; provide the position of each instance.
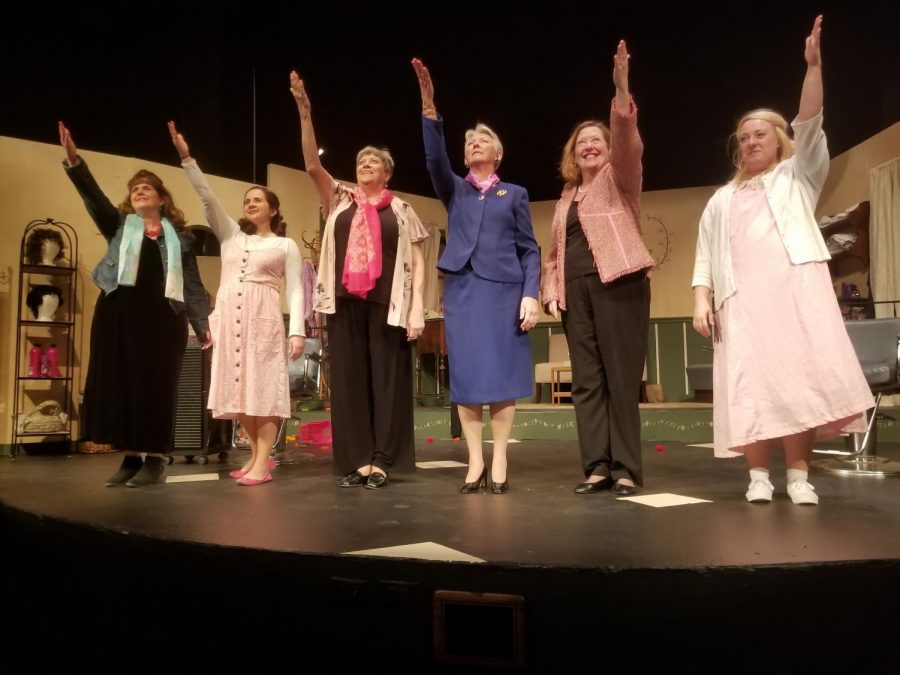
(792, 189)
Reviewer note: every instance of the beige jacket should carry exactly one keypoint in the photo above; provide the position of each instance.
(410, 231)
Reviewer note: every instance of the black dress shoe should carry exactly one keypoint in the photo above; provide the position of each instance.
(355, 479)
(499, 488)
(591, 488)
(623, 490)
(470, 488)
(377, 480)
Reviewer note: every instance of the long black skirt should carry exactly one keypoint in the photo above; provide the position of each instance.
(137, 346)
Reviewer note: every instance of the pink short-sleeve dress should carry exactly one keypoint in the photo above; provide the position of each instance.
(784, 363)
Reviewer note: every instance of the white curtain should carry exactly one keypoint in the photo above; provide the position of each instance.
(884, 224)
(884, 242)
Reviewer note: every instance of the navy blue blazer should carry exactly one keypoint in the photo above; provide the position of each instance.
(492, 231)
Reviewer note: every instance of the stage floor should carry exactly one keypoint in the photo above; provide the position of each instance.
(691, 512)
(183, 571)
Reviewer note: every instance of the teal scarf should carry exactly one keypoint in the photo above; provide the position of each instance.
(130, 256)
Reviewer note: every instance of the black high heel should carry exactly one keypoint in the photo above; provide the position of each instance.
(469, 488)
(500, 488)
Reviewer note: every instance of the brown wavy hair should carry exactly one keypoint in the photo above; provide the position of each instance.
(568, 169)
(279, 227)
(171, 212)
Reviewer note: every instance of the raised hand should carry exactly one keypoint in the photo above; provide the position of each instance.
(813, 53)
(178, 141)
(299, 93)
(620, 67)
(426, 87)
(65, 140)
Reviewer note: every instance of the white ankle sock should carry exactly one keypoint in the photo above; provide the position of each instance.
(797, 474)
(759, 474)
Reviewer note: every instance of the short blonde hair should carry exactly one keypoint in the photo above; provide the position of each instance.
(785, 144)
(381, 153)
(568, 169)
(495, 139)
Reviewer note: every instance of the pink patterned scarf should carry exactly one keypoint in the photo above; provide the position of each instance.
(362, 265)
(483, 185)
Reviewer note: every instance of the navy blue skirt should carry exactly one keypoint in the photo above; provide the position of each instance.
(490, 357)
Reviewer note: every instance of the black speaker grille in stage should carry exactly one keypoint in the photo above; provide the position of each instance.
(191, 415)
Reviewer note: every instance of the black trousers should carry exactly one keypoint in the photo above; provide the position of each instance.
(371, 389)
(606, 327)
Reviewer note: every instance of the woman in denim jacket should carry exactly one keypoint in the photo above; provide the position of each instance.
(151, 288)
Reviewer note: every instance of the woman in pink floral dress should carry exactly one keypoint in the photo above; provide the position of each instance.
(249, 379)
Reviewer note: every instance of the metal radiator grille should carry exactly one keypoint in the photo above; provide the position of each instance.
(193, 387)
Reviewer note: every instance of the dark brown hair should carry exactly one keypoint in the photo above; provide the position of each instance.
(34, 253)
(279, 227)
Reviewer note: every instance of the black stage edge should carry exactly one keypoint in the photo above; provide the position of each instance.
(210, 577)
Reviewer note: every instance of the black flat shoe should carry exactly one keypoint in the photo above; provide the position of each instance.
(377, 480)
(355, 479)
(499, 488)
(592, 488)
(623, 490)
(470, 488)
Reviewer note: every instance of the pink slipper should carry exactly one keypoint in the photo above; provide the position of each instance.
(239, 473)
(243, 480)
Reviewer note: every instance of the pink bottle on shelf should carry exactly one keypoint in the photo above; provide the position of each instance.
(34, 361)
(53, 360)
(45, 366)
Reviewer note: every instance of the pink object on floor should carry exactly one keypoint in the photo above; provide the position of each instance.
(318, 431)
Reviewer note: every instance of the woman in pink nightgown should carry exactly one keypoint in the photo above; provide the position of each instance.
(784, 372)
(249, 379)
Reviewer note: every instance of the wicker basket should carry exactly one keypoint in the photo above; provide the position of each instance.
(90, 448)
(47, 418)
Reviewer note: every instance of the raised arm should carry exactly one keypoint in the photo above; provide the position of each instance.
(436, 159)
(321, 178)
(811, 96)
(426, 89)
(221, 223)
(626, 147)
(620, 78)
(102, 212)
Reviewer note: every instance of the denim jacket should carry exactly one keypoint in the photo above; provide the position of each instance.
(109, 221)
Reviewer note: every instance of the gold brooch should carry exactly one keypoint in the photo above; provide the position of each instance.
(500, 193)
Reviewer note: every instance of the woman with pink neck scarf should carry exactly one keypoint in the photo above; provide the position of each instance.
(492, 272)
(370, 280)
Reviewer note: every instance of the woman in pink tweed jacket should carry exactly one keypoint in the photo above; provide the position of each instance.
(595, 278)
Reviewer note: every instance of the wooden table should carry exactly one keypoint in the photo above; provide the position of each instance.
(556, 391)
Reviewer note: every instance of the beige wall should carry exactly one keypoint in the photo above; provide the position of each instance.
(33, 185)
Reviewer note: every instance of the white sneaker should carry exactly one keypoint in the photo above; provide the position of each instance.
(802, 492)
(760, 492)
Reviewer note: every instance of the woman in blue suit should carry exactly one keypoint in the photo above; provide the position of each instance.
(492, 274)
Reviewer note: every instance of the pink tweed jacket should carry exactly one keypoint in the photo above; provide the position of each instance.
(610, 214)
